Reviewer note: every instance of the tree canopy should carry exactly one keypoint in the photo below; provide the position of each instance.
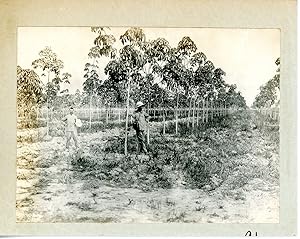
(268, 95)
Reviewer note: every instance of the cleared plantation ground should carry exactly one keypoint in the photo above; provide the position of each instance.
(225, 173)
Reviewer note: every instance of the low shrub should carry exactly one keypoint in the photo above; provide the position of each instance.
(97, 126)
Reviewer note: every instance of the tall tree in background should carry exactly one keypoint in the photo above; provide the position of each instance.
(77, 98)
(176, 72)
(155, 53)
(103, 47)
(132, 58)
(29, 94)
(185, 48)
(234, 97)
(115, 87)
(55, 93)
(124, 72)
(90, 85)
(197, 63)
(269, 92)
(172, 78)
(51, 65)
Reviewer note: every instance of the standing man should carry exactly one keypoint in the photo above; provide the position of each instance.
(71, 130)
(140, 123)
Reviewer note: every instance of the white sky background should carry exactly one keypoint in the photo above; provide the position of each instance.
(246, 55)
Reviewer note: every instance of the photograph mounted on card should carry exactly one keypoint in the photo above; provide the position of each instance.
(148, 118)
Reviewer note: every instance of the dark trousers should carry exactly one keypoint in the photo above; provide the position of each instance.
(141, 138)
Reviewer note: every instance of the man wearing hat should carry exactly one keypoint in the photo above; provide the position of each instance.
(140, 122)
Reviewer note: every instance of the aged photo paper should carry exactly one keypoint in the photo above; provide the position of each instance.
(139, 126)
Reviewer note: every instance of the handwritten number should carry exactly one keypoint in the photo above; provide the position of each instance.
(249, 234)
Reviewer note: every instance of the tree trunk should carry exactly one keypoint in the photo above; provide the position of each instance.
(212, 110)
(91, 97)
(190, 111)
(107, 112)
(197, 113)
(164, 115)
(119, 112)
(90, 111)
(193, 122)
(127, 115)
(164, 122)
(148, 129)
(48, 106)
(206, 111)
(100, 110)
(203, 111)
(176, 115)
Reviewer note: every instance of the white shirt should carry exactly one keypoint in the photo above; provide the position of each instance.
(71, 120)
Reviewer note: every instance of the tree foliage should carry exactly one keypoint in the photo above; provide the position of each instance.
(29, 94)
(268, 95)
(29, 88)
(178, 71)
(49, 63)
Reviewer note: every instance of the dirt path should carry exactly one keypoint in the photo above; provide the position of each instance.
(49, 191)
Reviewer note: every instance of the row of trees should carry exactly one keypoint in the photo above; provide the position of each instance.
(152, 71)
(268, 95)
(32, 92)
(155, 72)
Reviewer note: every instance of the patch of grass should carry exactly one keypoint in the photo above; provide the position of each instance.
(26, 202)
(200, 208)
(153, 204)
(170, 202)
(176, 216)
(85, 206)
(43, 182)
(97, 126)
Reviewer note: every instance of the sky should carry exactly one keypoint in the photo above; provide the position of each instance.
(246, 55)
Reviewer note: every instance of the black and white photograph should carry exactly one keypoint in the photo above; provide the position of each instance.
(148, 125)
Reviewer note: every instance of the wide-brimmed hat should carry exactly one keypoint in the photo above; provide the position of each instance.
(139, 104)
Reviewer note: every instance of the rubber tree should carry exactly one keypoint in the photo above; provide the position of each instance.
(186, 47)
(90, 85)
(57, 83)
(173, 78)
(113, 89)
(49, 63)
(176, 70)
(103, 47)
(234, 97)
(218, 84)
(155, 52)
(197, 62)
(269, 92)
(125, 69)
(29, 93)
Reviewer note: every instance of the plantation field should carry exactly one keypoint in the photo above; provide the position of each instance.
(228, 172)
